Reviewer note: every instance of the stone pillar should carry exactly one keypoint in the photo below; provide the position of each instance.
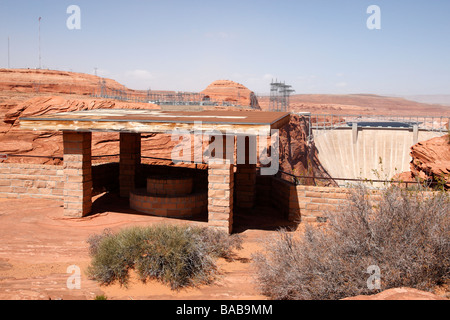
(130, 160)
(220, 188)
(77, 174)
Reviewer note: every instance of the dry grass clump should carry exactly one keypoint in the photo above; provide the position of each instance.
(179, 256)
(406, 237)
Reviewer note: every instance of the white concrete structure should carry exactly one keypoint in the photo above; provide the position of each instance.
(367, 153)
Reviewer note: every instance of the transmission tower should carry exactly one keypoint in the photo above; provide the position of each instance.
(279, 96)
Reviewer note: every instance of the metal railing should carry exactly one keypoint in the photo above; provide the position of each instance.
(330, 121)
(322, 123)
(295, 179)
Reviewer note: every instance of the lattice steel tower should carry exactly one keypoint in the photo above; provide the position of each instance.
(279, 96)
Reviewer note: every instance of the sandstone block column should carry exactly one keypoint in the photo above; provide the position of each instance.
(220, 187)
(77, 174)
(130, 160)
(220, 196)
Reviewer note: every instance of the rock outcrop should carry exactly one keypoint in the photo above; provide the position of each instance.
(399, 294)
(231, 92)
(53, 81)
(14, 141)
(431, 160)
(298, 157)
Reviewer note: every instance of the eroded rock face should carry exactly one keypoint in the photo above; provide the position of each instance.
(231, 92)
(13, 140)
(431, 160)
(299, 158)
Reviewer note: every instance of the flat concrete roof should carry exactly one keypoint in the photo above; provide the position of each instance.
(157, 121)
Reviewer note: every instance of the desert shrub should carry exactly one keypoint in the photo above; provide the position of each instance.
(219, 244)
(114, 255)
(95, 239)
(175, 255)
(406, 236)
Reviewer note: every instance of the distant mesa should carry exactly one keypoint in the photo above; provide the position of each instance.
(231, 92)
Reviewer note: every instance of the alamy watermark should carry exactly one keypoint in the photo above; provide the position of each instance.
(374, 281)
(258, 147)
(73, 22)
(374, 20)
(74, 280)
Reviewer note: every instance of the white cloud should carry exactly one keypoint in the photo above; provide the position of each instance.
(307, 78)
(341, 84)
(139, 74)
(102, 72)
(137, 79)
(224, 35)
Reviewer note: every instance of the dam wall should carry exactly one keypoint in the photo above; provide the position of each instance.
(374, 153)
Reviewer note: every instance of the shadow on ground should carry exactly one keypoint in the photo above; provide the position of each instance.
(112, 202)
(257, 218)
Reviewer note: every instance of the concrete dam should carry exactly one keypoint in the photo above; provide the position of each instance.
(374, 150)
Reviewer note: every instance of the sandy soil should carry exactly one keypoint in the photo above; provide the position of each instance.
(37, 245)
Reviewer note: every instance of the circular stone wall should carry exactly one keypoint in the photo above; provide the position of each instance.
(169, 206)
(163, 186)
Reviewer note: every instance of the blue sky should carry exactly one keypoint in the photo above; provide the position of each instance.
(317, 46)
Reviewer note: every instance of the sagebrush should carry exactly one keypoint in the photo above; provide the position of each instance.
(179, 256)
(406, 236)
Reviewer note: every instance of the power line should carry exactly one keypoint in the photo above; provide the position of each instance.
(40, 42)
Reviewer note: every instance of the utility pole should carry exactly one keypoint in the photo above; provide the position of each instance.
(9, 66)
(40, 42)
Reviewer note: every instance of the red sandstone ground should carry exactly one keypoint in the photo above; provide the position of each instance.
(39, 244)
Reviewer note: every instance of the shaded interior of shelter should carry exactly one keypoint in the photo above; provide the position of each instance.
(264, 215)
